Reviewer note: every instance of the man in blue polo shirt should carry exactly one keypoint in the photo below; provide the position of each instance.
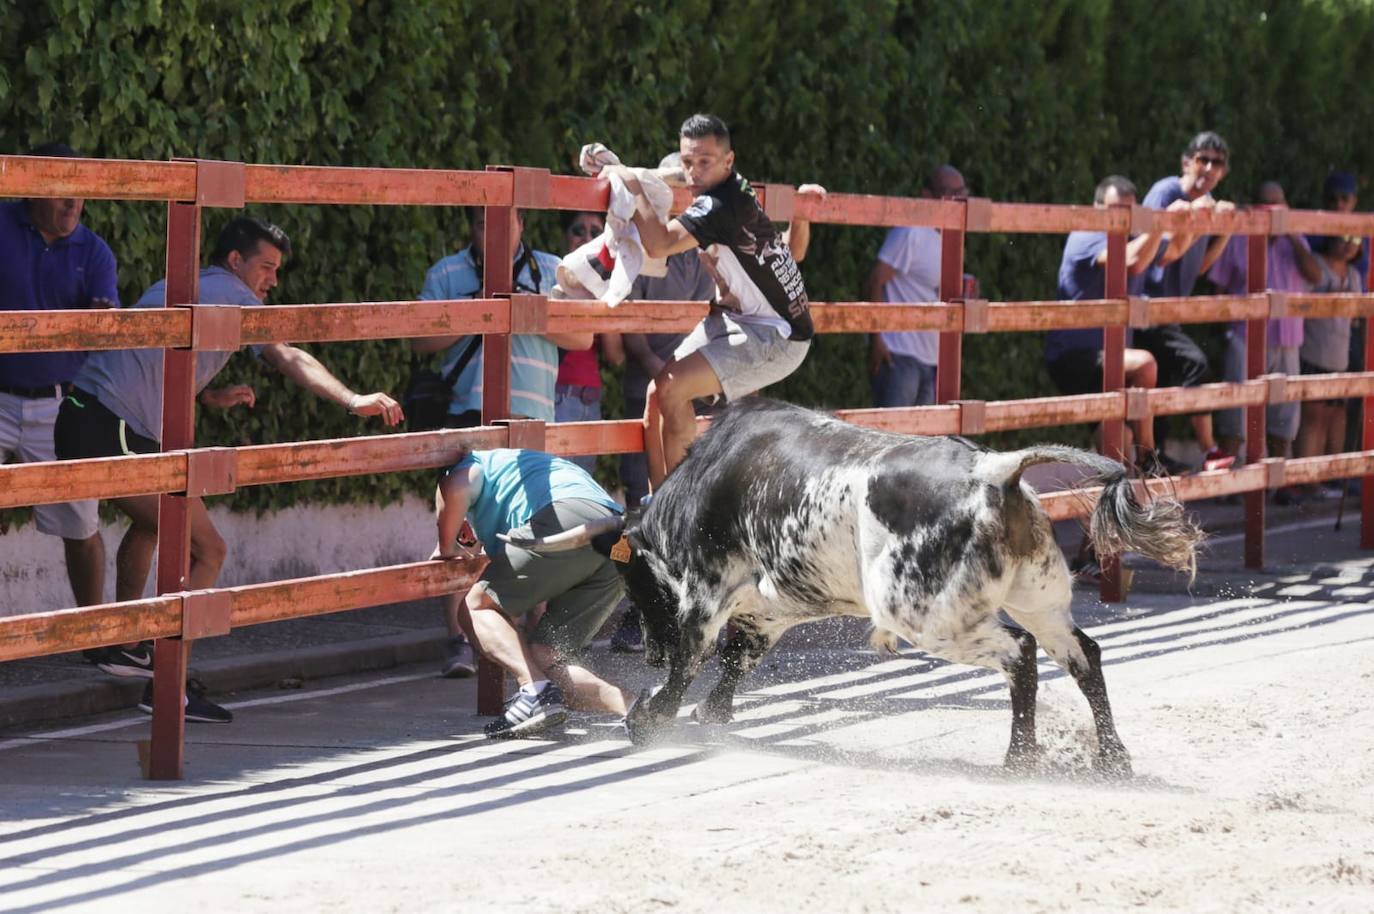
(49, 261)
(1181, 260)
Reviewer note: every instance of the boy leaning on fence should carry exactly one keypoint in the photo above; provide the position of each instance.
(115, 409)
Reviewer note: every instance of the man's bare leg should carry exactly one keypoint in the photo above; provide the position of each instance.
(582, 689)
(86, 569)
(672, 393)
(497, 637)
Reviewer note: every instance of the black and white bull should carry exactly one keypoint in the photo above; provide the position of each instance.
(780, 515)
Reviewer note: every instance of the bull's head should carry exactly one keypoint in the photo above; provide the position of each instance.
(648, 592)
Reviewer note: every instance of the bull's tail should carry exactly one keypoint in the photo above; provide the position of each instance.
(1160, 530)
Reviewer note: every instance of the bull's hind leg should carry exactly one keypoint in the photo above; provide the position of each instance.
(1023, 677)
(742, 653)
(1112, 757)
(1039, 600)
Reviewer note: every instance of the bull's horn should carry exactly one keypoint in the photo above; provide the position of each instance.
(568, 540)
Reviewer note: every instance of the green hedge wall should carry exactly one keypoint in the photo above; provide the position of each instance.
(1033, 99)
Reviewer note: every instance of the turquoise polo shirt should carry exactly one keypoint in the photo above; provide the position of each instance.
(534, 360)
(517, 484)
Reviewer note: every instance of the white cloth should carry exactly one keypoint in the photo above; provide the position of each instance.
(587, 266)
(914, 253)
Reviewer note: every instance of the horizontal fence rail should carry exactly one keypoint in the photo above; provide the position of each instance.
(177, 616)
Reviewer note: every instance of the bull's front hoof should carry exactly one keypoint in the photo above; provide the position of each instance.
(1114, 763)
(1023, 757)
(642, 725)
(713, 712)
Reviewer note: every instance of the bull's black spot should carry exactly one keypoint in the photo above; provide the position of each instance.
(905, 500)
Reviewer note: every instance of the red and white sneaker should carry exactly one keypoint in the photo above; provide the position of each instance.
(1216, 460)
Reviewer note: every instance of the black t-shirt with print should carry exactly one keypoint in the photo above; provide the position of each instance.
(729, 215)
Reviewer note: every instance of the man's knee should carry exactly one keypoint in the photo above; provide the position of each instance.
(208, 546)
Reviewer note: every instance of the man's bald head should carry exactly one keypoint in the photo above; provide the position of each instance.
(946, 182)
(1270, 193)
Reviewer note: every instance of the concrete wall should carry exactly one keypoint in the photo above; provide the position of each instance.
(297, 542)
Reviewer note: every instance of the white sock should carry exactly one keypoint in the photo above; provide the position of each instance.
(534, 688)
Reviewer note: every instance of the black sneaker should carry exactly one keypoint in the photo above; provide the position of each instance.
(197, 708)
(124, 661)
(526, 714)
(629, 637)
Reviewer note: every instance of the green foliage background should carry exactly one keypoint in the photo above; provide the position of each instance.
(1034, 99)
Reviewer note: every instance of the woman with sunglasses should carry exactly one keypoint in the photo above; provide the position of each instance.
(1325, 349)
(577, 392)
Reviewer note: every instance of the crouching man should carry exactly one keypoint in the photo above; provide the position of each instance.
(530, 493)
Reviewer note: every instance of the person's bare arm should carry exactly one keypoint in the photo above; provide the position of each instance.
(612, 348)
(1218, 242)
(798, 234)
(573, 342)
(1306, 260)
(307, 371)
(658, 239)
(450, 509)
(877, 281)
(637, 346)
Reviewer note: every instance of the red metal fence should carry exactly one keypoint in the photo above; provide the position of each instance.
(177, 617)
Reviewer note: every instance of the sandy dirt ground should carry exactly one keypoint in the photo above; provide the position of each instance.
(849, 782)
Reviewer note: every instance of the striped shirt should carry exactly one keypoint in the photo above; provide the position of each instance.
(534, 360)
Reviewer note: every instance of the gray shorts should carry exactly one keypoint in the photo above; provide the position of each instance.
(26, 427)
(1280, 419)
(581, 587)
(745, 357)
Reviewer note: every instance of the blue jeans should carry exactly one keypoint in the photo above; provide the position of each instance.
(574, 403)
(906, 382)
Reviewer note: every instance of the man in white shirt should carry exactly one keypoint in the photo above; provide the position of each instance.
(902, 363)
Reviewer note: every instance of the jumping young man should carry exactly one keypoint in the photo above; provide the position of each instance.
(759, 328)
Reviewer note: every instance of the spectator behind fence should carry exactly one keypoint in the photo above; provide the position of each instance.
(1340, 192)
(1325, 349)
(533, 361)
(1290, 267)
(1180, 261)
(759, 329)
(49, 261)
(1074, 357)
(577, 393)
(534, 358)
(115, 408)
(530, 493)
(901, 363)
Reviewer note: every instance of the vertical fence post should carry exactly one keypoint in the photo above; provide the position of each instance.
(949, 366)
(1111, 588)
(1256, 347)
(498, 247)
(1367, 443)
(173, 514)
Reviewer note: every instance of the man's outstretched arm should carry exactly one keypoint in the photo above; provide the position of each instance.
(307, 371)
